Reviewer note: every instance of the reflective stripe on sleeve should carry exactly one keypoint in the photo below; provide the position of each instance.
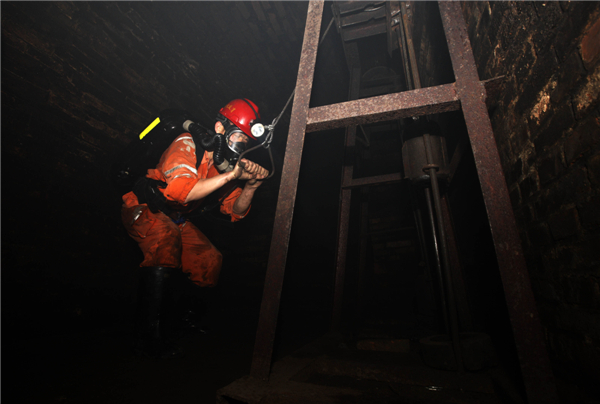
(192, 169)
(183, 175)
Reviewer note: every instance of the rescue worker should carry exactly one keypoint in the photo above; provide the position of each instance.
(167, 239)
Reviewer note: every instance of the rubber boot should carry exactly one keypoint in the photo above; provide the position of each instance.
(150, 317)
(191, 306)
(191, 322)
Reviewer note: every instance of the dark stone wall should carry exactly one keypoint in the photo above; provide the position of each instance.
(547, 127)
(80, 80)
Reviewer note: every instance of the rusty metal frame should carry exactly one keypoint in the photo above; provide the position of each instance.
(423, 101)
(468, 93)
(527, 329)
(269, 310)
(418, 102)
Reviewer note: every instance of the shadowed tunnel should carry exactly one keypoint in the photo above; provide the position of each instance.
(81, 80)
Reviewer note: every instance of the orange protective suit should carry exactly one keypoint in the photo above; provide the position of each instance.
(165, 243)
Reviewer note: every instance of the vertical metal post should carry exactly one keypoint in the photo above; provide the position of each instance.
(404, 53)
(431, 169)
(269, 310)
(526, 327)
(409, 46)
(344, 217)
(462, 304)
(418, 218)
(340, 259)
(362, 261)
(438, 262)
(422, 239)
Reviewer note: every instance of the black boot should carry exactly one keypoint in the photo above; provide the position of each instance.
(149, 328)
(191, 322)
(191, 306)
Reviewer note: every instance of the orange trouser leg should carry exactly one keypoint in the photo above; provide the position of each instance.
(166, 244)
(156, 234)
(200, 259)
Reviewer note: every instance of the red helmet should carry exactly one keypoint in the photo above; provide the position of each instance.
(243, 113)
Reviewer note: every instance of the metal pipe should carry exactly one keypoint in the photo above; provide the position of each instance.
(420, 232)
(404, 54)
(431, 170)
(364, 237)
(409, 45)
(438, 263)
(462, 306)
(436, 199)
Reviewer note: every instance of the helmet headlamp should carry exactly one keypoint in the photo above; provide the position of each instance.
(257, 130)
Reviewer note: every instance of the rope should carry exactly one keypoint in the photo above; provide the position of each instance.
(276, 120)
(269, 137)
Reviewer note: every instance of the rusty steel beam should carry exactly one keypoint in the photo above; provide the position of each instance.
(492, 89)
(391, 21)
(269, 310)
(526, 326)
(405, 25)
(424, 101)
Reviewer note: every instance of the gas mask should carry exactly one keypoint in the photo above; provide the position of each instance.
(228, 147)
(237, 143)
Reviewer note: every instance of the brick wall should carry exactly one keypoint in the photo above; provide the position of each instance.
(547, 127)
(79, 81)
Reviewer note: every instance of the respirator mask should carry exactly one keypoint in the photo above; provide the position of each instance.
(240, 119)
(237, 142)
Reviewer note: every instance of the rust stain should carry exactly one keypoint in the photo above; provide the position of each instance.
(541, 107)
(543, 102)
(590, 45)
(590, 91)
(382, 108)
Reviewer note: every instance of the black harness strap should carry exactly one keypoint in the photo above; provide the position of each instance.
(147, 189)
(199, 149)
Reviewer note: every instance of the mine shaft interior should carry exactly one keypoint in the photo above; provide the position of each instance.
(429, 233)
